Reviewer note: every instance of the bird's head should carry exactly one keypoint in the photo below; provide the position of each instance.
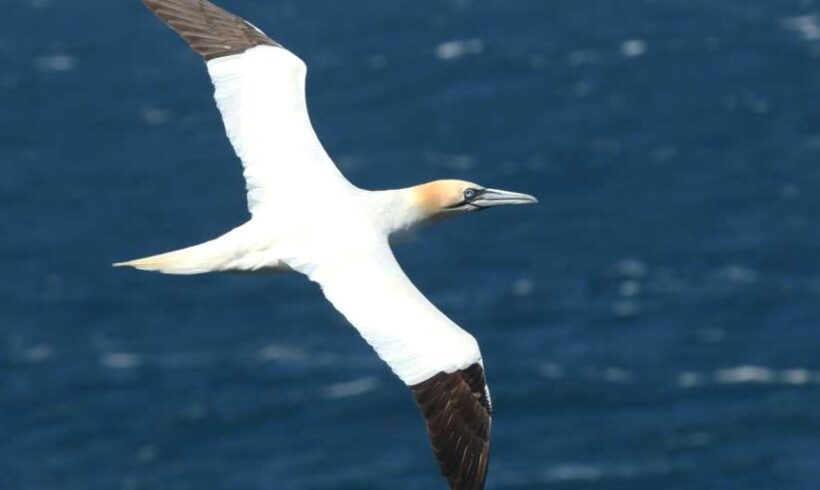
(444, 198)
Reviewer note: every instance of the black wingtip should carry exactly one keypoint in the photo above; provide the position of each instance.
(457, 409)
(210, 30)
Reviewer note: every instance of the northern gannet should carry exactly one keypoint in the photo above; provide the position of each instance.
(306, 217)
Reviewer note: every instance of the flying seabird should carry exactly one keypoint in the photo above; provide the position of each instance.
(306, 217)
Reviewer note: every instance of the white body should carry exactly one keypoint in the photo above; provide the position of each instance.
(306, 217)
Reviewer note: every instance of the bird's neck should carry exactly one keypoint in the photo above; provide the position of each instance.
(398, 211)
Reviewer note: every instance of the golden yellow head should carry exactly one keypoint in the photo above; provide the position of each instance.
(441, 198)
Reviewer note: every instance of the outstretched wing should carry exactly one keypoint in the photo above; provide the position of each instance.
(260, 91)
(440, 362)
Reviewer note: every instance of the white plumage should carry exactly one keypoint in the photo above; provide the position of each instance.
(344, 246)
(261, 95)
(306, 217)
(410, 334)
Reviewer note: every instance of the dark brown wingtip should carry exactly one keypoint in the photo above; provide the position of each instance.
(457, 409)
(211, 31)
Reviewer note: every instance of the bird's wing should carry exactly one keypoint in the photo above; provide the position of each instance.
(440, 362)
(260, 91)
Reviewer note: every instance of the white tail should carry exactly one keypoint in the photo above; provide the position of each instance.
(205, 257)
(233, 251)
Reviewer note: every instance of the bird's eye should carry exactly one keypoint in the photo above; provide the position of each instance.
(469, 194)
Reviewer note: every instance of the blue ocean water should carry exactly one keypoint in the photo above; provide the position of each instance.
(653, 323)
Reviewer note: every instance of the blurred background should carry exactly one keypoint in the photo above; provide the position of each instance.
(651, 324)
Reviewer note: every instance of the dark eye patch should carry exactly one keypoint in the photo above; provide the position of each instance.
(469, 194)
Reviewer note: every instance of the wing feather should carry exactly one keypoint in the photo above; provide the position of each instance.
(440, 362)
(210, 30)
(457, 410)
(260, 92)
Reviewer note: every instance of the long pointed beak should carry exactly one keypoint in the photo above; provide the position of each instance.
(496, 197)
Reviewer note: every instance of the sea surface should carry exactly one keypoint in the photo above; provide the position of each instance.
(653, 324)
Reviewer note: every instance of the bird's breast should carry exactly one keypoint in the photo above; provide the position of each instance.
(325, 232)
